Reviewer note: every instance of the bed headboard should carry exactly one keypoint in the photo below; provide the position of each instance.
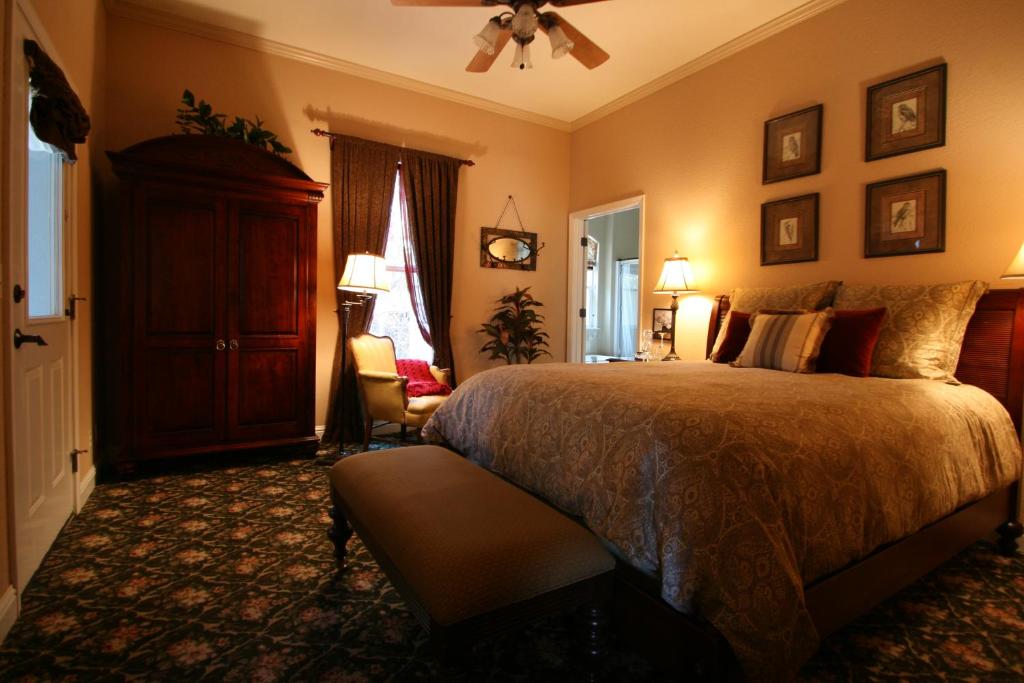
(992, 356)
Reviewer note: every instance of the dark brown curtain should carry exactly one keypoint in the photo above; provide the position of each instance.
(57, 115)
(430, 184)
(362, 187)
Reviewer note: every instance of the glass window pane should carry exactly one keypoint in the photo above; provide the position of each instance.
(45, 265)
(392, 314)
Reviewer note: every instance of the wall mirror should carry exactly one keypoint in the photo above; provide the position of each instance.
(513, 249)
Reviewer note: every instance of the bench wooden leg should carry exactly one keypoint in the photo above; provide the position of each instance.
(367, 433)
(1008, 535)
(340, 531)
(592, 627)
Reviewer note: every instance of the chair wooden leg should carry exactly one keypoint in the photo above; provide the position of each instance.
(339, 532)
(367, 433)
(404, 430)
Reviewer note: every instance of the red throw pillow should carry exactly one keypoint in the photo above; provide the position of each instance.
(736, 334)
(421, 381)
(850, 342)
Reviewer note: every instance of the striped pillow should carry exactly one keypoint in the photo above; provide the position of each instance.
(785, 341)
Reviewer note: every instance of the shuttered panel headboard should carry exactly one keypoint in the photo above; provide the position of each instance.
(992, 356)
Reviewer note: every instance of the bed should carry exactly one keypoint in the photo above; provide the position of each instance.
(753, 512)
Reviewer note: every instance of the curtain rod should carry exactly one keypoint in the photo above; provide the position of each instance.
(319, 132)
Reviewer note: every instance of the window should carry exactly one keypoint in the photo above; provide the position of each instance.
(393, 315)
(45, 227)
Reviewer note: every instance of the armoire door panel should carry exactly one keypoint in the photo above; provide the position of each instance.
(267, 387)
(269, 262)
(180, 268)
(183, 394)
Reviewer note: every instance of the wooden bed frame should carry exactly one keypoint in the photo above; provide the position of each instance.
(992, 358)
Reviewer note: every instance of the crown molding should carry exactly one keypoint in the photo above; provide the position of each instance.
(777, 25)
(130, 10)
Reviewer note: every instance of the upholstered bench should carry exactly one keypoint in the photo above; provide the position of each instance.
(471, 554)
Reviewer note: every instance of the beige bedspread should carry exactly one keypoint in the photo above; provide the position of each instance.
(736, 486)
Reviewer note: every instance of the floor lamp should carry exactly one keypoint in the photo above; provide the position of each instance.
(676, 278)
(367, 275)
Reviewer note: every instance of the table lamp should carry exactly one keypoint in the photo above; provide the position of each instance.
(1015, 271)
(676, 278)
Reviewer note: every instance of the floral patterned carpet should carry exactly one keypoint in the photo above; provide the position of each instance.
(226, 574)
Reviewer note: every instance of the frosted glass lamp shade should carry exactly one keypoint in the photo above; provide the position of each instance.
(676, 277)
(366, 274)
(560, 43)
(1015, 271)
(487, 39)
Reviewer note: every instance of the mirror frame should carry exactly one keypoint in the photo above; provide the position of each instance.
(490, 235)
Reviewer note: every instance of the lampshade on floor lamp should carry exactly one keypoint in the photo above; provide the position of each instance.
(367, 275)
(676, 278)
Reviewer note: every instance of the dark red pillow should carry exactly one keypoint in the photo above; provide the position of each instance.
(850, 342)
(421, 381)
(736, 334)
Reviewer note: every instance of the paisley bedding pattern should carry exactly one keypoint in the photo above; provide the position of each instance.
(736, 487)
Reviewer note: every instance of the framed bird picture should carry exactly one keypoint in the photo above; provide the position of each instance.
(789, 230)
(907, 114)
(906, 215)
(792, 145)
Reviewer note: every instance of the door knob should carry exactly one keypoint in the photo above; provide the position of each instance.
(220, 345)
(20, 339)
(233, 345)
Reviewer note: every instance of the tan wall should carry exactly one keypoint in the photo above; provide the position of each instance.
(151, 66)
(695, 149)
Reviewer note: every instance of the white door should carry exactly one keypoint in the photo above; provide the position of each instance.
(40, 374)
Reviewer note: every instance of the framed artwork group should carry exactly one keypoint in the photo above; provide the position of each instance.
(904, 215)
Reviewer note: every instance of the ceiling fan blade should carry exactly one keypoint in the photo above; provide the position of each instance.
(482, 61)
(443, 3)
(567, 3)
(586, 51)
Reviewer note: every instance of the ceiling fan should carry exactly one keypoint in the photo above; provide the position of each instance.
(520, 24)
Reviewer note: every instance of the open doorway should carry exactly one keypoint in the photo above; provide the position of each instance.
(605, 278)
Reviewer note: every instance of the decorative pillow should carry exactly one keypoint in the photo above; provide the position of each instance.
(850, 342)
(805, 297)
(784, 341)
(421, 381)
(731, 338)
(925, 326)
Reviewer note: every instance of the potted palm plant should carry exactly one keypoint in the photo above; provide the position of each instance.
(515, 329)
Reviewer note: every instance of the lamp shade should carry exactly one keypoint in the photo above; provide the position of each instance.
(365, 273)
(1015, 270)
(487, 39)
(560, 43)
(676, 277)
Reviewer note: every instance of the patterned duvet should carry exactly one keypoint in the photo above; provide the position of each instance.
(736, 487)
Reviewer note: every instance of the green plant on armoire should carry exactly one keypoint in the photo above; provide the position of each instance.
(515, 329)
(201, 119)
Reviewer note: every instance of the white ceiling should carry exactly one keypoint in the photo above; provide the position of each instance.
(647, 39)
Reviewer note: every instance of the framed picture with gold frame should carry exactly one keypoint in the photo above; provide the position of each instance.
(907, 114)
(792, 145)
(789, 230)
(906, 215)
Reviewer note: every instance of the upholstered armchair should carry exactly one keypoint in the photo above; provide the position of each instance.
(384, 391)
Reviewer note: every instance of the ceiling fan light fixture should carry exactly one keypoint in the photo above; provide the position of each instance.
(560, 43)
(522, 60)
(525, 21)
(487, 39)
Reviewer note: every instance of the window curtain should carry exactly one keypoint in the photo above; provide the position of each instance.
(362, 187)
(57, 115)
(430, 185)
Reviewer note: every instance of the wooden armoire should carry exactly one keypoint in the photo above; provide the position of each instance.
(207, 302)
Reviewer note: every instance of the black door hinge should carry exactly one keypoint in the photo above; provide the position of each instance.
(583, 313)
(583, 241)
(75, 452)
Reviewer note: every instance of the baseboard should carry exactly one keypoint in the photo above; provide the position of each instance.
(86, 484)
(8, 611)
(320, 429)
